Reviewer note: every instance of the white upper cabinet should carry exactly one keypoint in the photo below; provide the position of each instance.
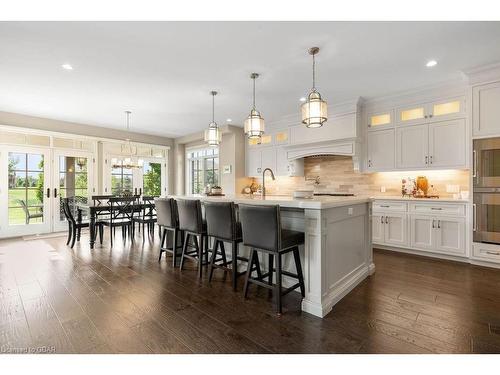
(380, 120)
(447, 144)
(380, 150)
(412, 146)
(486, 110)
(268, 158)
(253, 162)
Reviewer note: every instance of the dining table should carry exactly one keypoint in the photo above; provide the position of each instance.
(93, 209)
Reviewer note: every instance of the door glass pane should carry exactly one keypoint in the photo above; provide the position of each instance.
(122, 181)
(446, 108)
(412, 114)
(151, 179)
(26, 188)
(73, 182)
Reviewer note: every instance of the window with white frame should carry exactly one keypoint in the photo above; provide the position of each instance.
(202, 169)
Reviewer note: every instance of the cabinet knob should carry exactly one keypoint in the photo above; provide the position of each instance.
(430, 116)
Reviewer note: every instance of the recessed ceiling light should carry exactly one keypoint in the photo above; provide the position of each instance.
(229, 120)
(67, 66)
(431, 63)
(302, 99)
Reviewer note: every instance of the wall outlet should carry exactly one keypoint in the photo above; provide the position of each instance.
(382, 189)
(350, 211)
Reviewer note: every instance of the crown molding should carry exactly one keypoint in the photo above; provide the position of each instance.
(483, 73)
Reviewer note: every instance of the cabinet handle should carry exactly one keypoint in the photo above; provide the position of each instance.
(369, 163)
(430, 116)
(426, 158)
(384, 206)
(492, 253)
(387, 219)
(430, 159)
(439, 224)
(437, 208)
(425, 116)
(382, 219)
(474, 223)
(433, 224)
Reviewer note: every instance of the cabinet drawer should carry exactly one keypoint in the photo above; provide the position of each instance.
(486, 252)
(389, 206)
(438, 209)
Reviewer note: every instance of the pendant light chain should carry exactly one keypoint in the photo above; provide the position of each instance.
(213, 107)
(254, 92)
(314, 72)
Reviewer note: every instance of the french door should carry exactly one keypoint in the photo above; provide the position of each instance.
(72, 177)
(33, 182)
(25, 191)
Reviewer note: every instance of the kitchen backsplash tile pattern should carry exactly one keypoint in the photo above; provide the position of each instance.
(336, 174)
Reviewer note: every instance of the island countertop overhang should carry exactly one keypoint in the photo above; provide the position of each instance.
(316, 203)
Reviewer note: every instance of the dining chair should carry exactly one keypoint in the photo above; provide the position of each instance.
(121, 210)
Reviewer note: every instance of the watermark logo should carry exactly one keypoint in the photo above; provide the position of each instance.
(6, 349)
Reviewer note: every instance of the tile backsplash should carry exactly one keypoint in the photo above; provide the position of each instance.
(336, 174)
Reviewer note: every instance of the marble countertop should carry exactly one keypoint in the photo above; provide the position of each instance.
(317, 203)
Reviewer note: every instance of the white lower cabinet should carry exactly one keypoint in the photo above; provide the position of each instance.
(441, 231)
(421, 232)
(389, 229)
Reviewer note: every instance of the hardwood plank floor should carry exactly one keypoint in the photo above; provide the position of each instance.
(121, 300)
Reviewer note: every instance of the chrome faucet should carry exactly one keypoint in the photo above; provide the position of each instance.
(264, 180)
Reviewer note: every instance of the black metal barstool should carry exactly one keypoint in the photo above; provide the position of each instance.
(191, 222)
(222, 226)
(261, 229)
(168, 222)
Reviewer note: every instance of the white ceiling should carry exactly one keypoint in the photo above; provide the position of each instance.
(163, 71)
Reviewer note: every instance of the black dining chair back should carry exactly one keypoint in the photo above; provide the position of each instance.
(75, 225)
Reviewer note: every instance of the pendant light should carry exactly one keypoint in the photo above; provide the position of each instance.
(213, 135)
(254, 124)
(127, 161)
(314, 110)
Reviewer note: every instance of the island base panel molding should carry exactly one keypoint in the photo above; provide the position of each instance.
(338, 255)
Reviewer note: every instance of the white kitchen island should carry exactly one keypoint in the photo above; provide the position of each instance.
(337, 254)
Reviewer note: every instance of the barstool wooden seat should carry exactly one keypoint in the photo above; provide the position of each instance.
(192, 224)
(261, 230)
(222, 226)
(168, 222)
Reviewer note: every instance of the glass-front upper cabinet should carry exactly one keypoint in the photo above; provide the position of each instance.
(447, 109)
(380, 120)
(434, 111)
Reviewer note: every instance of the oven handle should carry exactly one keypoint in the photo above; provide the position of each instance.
(474, 164)
(474, 217)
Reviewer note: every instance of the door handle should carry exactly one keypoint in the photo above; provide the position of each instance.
(48, 192)
(474, 217)
(55, 192)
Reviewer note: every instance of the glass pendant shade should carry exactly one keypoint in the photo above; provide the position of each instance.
(314, 111)
(213, 135)
(254, 125)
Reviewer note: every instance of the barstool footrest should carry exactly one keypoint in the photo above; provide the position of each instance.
(289, 274)
(291, 289)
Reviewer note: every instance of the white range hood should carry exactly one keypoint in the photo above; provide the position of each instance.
(340, 135)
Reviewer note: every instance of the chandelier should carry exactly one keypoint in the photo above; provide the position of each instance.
(213, 135)
(127, 162)
(314, 110)
(254, 124)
